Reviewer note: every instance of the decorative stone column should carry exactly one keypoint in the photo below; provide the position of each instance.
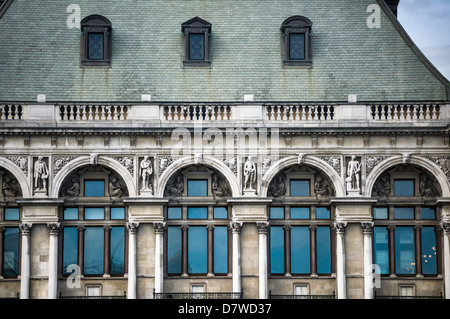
(159, 272)
(25, 261)
(367, 228)
(132, 231)
(446, 253)
(340, 260)
(53, 229)
(262, 230)
(236, 230)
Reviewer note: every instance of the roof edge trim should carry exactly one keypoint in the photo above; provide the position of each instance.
(4, 7)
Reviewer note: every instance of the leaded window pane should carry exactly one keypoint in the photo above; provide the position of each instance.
(70, 213)
(405, 262)
(297, 46)
(380, 212)
(196, 46)
(404, 212)
(276, 250)
(381, 249)
(300, 250)
(220, 249)
(70, 249)
(428, 243)
(323, 213)
(300, 213)
(277, 212)
(12, 213)
(197, 188)
(118, 213)
(94, 188)
(93, 250)
(323, 243)
(197, 250)
(174, 250)
(11, 251)
(174, 213)
(95, 46)
(403, 187)
(220, 213)
(91, 213)
(299, 187)
(117, 255)
(197, 212)
(427, 213)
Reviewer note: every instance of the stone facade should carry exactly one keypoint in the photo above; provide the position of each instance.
(350, 154)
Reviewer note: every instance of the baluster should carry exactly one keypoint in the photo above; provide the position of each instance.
(9, 114)
(122, 112)
(270, 113)
(395, 107)
(326, 112)
(102, 115)
(421, 112)
(389, 112)
(295, 110)
(434, 112)
(3, 116)
(427, 111)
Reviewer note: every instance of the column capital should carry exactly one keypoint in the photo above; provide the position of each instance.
(159, 227)
(25, 228)
(445, 227)
(132, 227)
(367, 228)
(263, 227)
(340, 227)
(54, 228)
(236, 227)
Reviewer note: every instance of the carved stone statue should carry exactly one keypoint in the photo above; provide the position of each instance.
(10, 187)
(115, 189)
(176, 189)
(278, 186)
(72, 189)
(426, 187)
(219, 187)
(384, 187)
(320, 188)
(40, 174)
(249, 174)
(353, 174)
(146, 173)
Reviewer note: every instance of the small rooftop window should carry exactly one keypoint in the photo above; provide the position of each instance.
(296, 32)
(96, 41)
(197, 33)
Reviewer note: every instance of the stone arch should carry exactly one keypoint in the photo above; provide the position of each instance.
(86, 160)
(191, 160)
(312, 161)
(18, 174)
(419, 161)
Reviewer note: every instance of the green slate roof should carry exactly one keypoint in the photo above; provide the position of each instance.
(39, 54)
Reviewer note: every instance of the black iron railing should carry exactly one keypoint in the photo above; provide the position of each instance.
(376, 296)
(272, 296)
(124, 296)
(197, 295)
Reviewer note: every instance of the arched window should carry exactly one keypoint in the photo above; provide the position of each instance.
(197, 238)
(93, 220)
(96, 42)
(301, 241)
(406, 220)
(296, 32)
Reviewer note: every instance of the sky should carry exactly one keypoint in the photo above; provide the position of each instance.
(427, 22)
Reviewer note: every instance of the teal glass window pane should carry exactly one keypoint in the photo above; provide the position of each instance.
(380, 213)
(403, 187)
(405, 260)
(428, 242)
(70, 249)
(196, 46)
(297, 46)
(11, 251)
(277, 250)
(94, 188)
(117, 212)
(174, 213)
(404, 212)
(220, 213)
(300, 250)
(174, 250)
(197, 188)
(220, 250)
(277, 212)
(323, 213)
(381, 249)
(323, 244)
(427, 213)
(117, 254)
(70, 213)
(299, 187)
(197, 250)
(95, 46)
(93, 250)
(299, 212)
(197, 212)
(94, 213)
(12, 213)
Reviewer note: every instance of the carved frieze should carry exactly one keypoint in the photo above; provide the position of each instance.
(127, 162)
(372, 161)
(20, 161)
(334, 161)
(59, 162)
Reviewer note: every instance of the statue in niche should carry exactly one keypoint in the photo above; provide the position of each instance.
(320, 188)
(353, 173)
(383, 188)
(40, 174)
(426, 187)
(249, 174)
(219, 187)
(72, 189)
(10, 187)
(115, 189)
(146, 173)
(278, 186)
(176, 189)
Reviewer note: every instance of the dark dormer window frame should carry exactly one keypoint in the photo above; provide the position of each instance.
(96, 42)
(296, 31)
(197, 42)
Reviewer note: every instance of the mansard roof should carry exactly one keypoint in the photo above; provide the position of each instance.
(40, 53)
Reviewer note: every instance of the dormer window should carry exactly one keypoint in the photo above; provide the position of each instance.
(197, 34)
(297, 41)
(95, 41)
